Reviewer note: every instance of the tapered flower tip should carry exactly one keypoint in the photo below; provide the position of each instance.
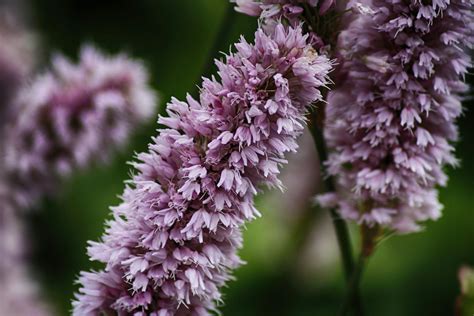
(249, 7)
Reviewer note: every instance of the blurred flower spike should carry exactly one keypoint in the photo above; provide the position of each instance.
(72, 116)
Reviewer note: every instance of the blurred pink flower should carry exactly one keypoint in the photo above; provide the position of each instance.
(71, 116)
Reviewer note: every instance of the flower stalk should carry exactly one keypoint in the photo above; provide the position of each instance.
(352, 298)
(352, 271)
(340, 226)
(370, 239)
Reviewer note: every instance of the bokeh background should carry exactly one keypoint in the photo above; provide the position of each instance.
(285, 274)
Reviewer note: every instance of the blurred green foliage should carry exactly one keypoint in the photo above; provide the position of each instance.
(409, 275)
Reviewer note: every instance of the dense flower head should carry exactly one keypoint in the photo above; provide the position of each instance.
(173, 241)
(72, 115)
(392, 123)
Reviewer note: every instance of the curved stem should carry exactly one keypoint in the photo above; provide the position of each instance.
(371, 237)
(344, 242)
(340, 226)
(352, 298)
(352, 272)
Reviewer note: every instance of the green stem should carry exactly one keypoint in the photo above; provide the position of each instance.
(352, 298)
(343, 239)
(340, 226)
(371, 237)
(351, 270)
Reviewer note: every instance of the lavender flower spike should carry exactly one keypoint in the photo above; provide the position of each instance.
(392, 123)
(173, 241)
(71, 116)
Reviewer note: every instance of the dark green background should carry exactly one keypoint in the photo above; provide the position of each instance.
(409, 275)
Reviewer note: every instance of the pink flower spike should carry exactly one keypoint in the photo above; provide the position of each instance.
(174, 239)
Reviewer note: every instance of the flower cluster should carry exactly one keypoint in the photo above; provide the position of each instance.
(293, 12)
(173, 240)
(392, 122)
(70, 116)
(290, 10)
